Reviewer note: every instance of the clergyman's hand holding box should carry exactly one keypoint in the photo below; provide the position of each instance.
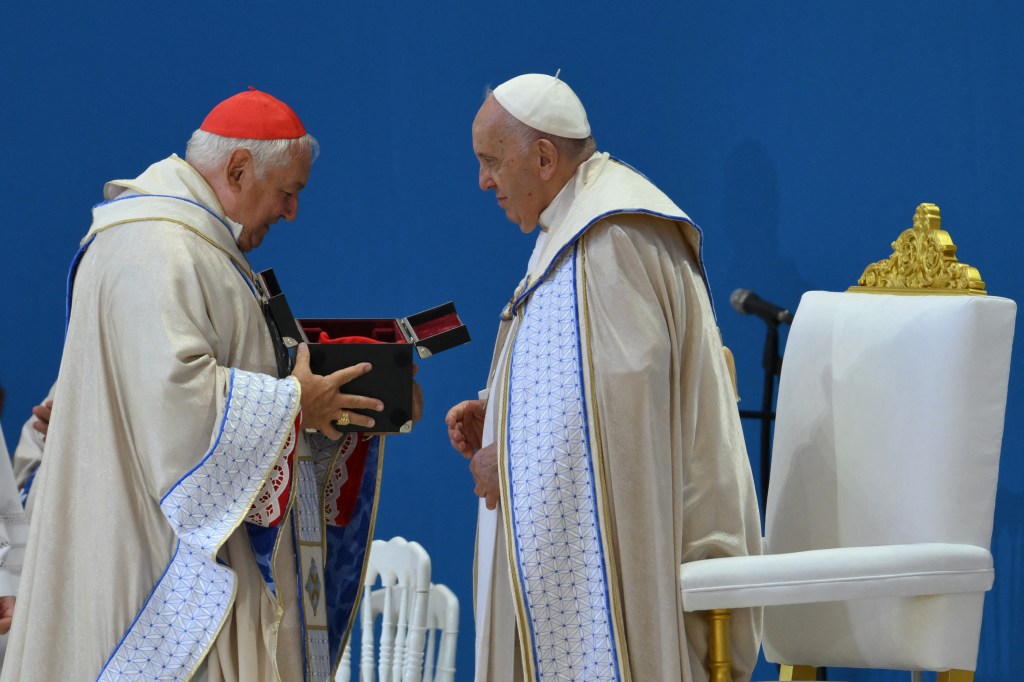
(386, 343)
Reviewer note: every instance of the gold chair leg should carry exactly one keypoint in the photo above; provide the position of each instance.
(719, 646)
(797, 672)
(956, 676)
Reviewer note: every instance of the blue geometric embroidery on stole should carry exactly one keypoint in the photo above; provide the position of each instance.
(176, 626)
(554, 510)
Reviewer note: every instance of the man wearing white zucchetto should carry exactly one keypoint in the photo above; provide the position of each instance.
(607, 446)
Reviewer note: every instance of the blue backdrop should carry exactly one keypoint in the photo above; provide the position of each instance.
(801, 136)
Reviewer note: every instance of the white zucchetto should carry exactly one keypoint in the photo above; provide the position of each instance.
(544, 103)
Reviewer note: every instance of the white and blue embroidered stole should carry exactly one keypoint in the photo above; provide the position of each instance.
(176, 626)
(330, 559)
(553, 499)
(309, 528)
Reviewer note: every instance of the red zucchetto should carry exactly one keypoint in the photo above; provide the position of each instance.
(253, 115)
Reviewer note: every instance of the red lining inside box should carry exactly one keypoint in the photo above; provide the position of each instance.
(324, 338)
(437, 325)
(376, 331)
(355, 331)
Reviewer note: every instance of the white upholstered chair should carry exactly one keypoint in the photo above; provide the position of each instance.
(403, 569)
(882, 490)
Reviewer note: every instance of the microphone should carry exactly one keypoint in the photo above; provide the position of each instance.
(747, 302)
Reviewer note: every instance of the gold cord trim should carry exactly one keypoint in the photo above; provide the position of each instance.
(730, 365)
(244, 268)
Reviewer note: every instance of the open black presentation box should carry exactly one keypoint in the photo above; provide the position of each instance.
(386, 343)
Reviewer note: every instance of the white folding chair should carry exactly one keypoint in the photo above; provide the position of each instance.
(403, 569)
(884, 473)
(442, 634)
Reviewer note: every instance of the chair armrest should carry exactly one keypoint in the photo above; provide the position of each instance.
(835, 575)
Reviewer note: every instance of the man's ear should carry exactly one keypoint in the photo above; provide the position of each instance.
(547, 158)
(238, 167)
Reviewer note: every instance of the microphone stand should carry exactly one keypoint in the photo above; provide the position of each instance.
(772, 363)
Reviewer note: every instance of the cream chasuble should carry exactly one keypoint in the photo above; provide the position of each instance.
(620, 448)
(174, 491)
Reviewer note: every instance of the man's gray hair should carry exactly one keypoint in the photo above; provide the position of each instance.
(576, 150)
(207, 150)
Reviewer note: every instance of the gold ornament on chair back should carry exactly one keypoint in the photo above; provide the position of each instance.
(923, 262)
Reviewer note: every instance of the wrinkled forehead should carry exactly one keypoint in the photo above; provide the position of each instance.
(489, 127)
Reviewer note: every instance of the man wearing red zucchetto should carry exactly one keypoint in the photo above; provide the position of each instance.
(179, 527)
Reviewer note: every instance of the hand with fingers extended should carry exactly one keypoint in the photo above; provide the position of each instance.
(465, 424)
(323, 403)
